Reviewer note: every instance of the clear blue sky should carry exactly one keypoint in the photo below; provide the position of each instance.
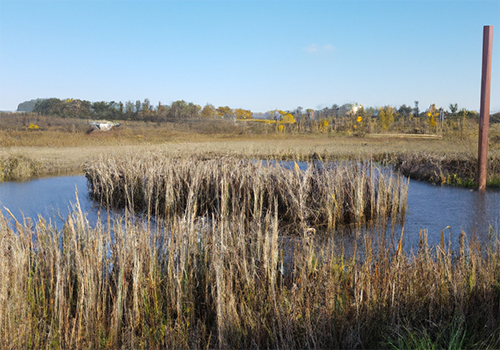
(257, 55)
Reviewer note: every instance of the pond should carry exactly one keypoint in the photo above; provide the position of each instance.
(430, 207)
(52, 198)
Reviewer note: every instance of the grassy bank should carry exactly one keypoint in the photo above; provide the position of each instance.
(236, 282)
(445, 168)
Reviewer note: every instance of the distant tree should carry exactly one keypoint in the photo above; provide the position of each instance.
(85, 109)
(161, 112)
(334, 110)
(386, 116)
(404, 111)
(71, 108)
(138, 107)
(120, 110)
(106, 110)
(224, 112)
(432, 113)
(242, 113)
(286, 117)
(298, 117)
(310, 113)
(146, 110)
(416, 112)
(27, 106)
(208, 111)
(183, 110)
(130, 110)
(453, 109)
(47, 106)
(342, 110)
(100, 109)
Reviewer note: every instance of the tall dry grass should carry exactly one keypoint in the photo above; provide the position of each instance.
(444, 168)
(234, 282)
(323, 195)
(18, 168)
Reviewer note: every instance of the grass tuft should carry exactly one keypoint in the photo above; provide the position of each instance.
(18, 168)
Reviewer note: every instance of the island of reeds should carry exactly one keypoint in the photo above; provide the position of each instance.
(323, 195)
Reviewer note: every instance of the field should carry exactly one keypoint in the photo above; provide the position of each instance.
(216, 251)
(61, 146)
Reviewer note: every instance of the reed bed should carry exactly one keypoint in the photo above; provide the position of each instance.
(324, 195)
(18, 168)
(444, 168)
(189, 282)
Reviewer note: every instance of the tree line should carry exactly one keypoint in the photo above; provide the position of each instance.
(350, 115)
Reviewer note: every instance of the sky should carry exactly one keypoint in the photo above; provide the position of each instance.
(257, 55)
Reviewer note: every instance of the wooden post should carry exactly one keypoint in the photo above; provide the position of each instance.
(484, 115)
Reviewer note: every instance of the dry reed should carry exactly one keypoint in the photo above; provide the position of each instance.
(217, 268)
(323, 195)
(225, 282)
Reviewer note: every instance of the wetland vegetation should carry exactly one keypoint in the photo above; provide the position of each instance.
(234, 279)
(230, 253)
(322, 195)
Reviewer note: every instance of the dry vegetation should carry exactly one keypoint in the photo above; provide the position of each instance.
(234, 281)
(65, 152)
(61, 146)
(233, 254)
(324, 195)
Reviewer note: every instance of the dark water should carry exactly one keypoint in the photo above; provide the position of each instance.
(430, 207)
(433, 208)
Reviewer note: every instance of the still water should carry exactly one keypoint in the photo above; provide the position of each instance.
(430, 207)
(52, 198)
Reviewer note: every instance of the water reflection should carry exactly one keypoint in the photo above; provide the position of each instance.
(433, 208)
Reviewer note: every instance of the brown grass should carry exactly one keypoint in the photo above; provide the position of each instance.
(418, 157)
(233, 275)
(324, 195)
(62, 146)
(235, 282)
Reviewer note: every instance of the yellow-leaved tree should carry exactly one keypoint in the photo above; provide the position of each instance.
(386, 116)
(432, 113)
(224, 112)
(208, 111)
(286, 117)
(243, 113)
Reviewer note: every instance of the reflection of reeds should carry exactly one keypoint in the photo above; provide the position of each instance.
(193, 282)
(322, 195)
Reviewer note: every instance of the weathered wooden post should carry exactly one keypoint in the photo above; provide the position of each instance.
(484, 114)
